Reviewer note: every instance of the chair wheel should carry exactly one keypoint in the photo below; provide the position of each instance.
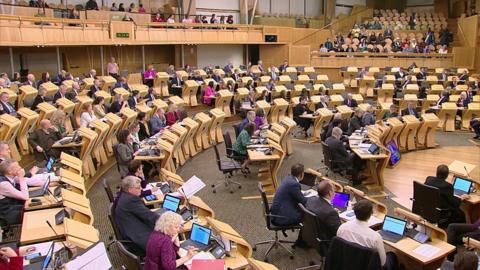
(265, 260)
(213, 186)
(239, 187)
(254, 248)
(214, 191)
(291, 257)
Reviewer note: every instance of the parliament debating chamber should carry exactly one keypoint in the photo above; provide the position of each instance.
(240, 134)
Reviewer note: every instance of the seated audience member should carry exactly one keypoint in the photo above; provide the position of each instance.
(164, 244)
(118, 104)
(91, 5)
(72, 95)
(31, 81)
(393, 112)
(320, 205)
(158, 18)
(61, 93)
(87, 115)
(91, 74)
(241, 143)
(122, 83)
(45, 79)
(173, 114)
(350, 101)
(463, 100)
(334, 123)
(447, 199)
(251, 98)
(58, 119)
(99, 109)
(422, 92)
(149, 76)
(322, 104)
(229, 19)
(13, 192)
(144, 131)
(475, 126)
(368, 117)
(170, 19)
(10, 260)
(157, 122)
(150, 96)
(124, 151)
(133, 99)
(299, 110)
(209, 95)
(356, 122)
(94, 88)
(251, 115)
(260, 119)
(410, 110)
(134, 220)
(287, 197)
(134, 128)
(40, 98)
(42, 140)
(5, 106)
(176, 84)
(466, 260)
(457, 231)
(343, 159)
(216, 77)
(135, 168)
(358, 231)
(444, 97)
(453, 84)
(463, 78)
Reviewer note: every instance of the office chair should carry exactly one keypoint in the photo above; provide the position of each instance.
(311, 234)
(108, 190)
(343, 254)
(330, 163)
(274, 243)
(115, 154)
(129, 245)
(236, 128)
(133, 262)
(227, 167)
(426, 203)
(229, 146)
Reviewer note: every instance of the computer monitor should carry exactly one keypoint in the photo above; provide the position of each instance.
(395, 225)
(340, 199)
(200, 234)
(395, 153)
(50, 162)
(462, 184)
(373, 148)
(171, 203)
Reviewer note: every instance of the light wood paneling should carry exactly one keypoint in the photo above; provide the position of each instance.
(464, 57)
(273, 54)
(299, 55)
(468, 30)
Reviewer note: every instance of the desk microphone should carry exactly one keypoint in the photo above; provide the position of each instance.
(56, 234)
(465, 168)
(53, 195)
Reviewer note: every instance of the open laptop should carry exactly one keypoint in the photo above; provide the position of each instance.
(461, 186)
(372, 149)
(340, 200)
(199, 238)
(172, 203)
(41, 191)
(49, 166)
(393, 229)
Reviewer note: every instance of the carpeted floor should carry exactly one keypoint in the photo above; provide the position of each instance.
(245, 216)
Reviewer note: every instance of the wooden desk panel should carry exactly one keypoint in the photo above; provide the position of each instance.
(35, 228)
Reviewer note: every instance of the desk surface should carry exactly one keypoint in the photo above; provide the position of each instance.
(261, 156)
(407, 245)
(35, 228)
(461, 168)
(363, 155)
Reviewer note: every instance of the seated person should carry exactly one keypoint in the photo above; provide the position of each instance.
(358, 231)
(134, 220)
(342, 158)
(61, 93)
(463, 100)
(447, 199)
(241, 143)
(260, 119)
(87, 115)
(368, 117)
(466, 260)
(42, 140)
(144, 131)
(334, 123)
(209, 95)
(5, 106)
(133, 100)
(411, 110)
(475, 126)
(350, 101)
(157, 122)
(124, 151)
(301, 109)
(13, 192)
(10, 260)
(122, 83)
(99, 109)
(322, 104)
(173, 114)
(163, 244)
(176, 84)
(327, 216)
(356, 122)
(135, 168)
(393, 112)
(118, 104)
(40, 98)
(94, 88)
(457, 231)
(287, 197)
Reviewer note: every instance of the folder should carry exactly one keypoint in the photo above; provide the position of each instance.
(208, 265)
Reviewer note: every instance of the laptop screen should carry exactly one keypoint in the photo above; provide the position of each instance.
(200, 234)
(340, 199)
(462, 184)
(46, 184)
(171, 203)
(394, 225)
(50, 163)
(373, 148)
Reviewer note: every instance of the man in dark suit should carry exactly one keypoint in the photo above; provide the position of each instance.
(356, 122)
(410, 110)
(447, 199)
(463, 78)
(343, 159)
(122, 83)
(72, 95)
(133, 100)
(42, 140)
(422, 75)
(228, 69)
(283, 67)
(236, 75)
(216, 77)
(95, 87)
(134, 220)
(327, 216)
(5, 106)
(350, 101)
(321, 104)
(31, 81)
(453, 83)
(288, 196)
(400, 74)
(176, 84)
(443, 77)
(61, 93)
(91, 74)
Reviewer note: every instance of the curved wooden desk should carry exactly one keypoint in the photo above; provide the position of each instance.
(215, 129)
(407, 135)
(99, 151)
(447, 116)
(67, 107)
(27, 94)
(8, 133)
(160, 84)
(189, 92)
(427, 130)
(28, 120)
(202, 140)
(223, 100)
(115, 122)
(45, 111)
(189, 146)
(279, 110)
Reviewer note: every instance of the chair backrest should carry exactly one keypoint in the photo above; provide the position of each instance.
(217, 157)
(426, 201)
(266, 207)
(115, 154)
(133, 262)
(236, 128)
(111, 217)
(228, 144)
(323, 136)
(343, 254)
(310, 227)
(327, 157)
(108, 190)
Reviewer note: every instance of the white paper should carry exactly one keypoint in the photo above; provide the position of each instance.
(192, 186)
(226, 244)
(44, 247)
(426, 250)
(94, 259)
(365, 145)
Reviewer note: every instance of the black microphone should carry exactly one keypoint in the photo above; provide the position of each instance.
(56, 234)
(465, 168)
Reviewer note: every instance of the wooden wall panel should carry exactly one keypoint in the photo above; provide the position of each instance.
(468, 30)
(337, 62)
(299, 55)
(273, 54)
(464, 57)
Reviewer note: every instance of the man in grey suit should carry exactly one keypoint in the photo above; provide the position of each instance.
(134, 220)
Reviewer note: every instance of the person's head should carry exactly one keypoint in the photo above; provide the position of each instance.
(349, 96)
(135, 167)
(58, 118)
(169, 223)
(31, 77)
(4, 150)
(135, 93)
(9, 167)
(463, 95)
(160, 112)
(121, 5)
(96, 82)
(363, 209)
(249, 128)
(124, 136)
(210, 84)
(393, 108)
(4, 96)
(112, 59)
(45, 76)
(99, 100)
(141, 116)
(369, 108)
(303, 100)
(45, 124)
(132, 5)
(359, 112)
(337, 123)
(114, 4)
(337, 132)
(297, 171)
(466, 260)
(134, 127)
(325, 189)
(338, 115)
(410, 105)
(76, 86)
(213, 15)
(172, 107)
(2, 82)
(62, 89)
(442, 171)
(87, 107)
(251, 116)
(93, 72)
(131, 184)
(260, 112)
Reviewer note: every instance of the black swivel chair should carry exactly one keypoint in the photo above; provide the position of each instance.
(335, 166)
(108, 190)
(236, 128)
(133, 262)
(276, 242)
(129, 245)
(227, 167)
(343, 254)
(311, 234)
(229, 147)
(426, 203)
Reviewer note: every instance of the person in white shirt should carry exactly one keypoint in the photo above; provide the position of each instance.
(87, 115)
(359, 232)
(13, 192)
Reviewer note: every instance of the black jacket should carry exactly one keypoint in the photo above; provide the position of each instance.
(285, 203)
(56, 97)
(338, 151)
(345, 255)
(38, 99)
(327, 217)
(134, 220)
(448, 200)
(355, 123)
(406, 112)
(352, 104)
(6, 108)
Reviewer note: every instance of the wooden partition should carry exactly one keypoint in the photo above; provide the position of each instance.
(24, 11)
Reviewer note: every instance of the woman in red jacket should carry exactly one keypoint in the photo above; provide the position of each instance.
(173, 114)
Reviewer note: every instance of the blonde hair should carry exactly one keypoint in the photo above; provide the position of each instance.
(166, 221)
(58, 118)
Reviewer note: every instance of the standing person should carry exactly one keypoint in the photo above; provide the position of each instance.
(149, 76)
(112, 68)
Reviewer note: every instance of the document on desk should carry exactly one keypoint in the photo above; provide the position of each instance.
(200, 256)
(192, 186)
(95, 258)
(43, 248)
(426, 250)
